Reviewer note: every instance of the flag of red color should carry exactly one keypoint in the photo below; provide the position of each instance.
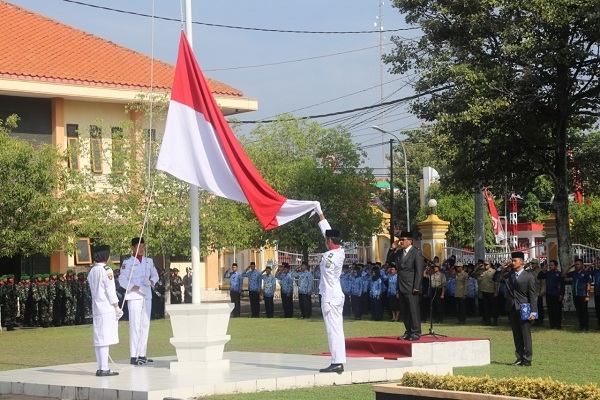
(200, 148)
(498, 230)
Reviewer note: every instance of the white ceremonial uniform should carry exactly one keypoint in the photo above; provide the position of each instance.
(332, 298)
(105, 323)
(139, 302)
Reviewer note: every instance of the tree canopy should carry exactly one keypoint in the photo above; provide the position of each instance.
(505, 86)
(304, 161)
(32, 217)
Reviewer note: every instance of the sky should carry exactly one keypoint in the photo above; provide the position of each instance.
(306, 74)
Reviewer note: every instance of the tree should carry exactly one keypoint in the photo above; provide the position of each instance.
(459, 210)
(586, 159)
(419, 154)
(33, 218)
(305, 161)
(586, 221)
(505, 85)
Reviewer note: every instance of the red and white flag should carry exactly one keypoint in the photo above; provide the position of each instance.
(200, 148)
(498, 229)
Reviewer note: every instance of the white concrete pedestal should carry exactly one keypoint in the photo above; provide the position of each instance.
(199, 335)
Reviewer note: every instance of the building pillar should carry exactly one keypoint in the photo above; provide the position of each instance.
(433, 236)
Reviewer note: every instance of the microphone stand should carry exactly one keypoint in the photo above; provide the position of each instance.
(431, 331)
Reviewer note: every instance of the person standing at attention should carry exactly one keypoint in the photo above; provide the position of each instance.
(138, 276)
(105, 308)
(520, 290)
(332, 296)
(409, 263)
(253, 288)
(235, 288)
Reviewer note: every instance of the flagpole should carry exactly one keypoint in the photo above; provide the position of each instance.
(194, 212)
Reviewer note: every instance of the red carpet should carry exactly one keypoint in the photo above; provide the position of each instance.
(388, 347)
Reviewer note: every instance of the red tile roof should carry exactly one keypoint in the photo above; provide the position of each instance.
(34, 47)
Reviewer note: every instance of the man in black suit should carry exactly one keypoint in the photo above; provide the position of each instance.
(409, 263)
(520, 289)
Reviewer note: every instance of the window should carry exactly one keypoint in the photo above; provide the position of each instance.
(118, 158)
(73, 146)
(96, 149)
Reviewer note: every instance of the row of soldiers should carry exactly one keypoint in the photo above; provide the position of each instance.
(45, 300)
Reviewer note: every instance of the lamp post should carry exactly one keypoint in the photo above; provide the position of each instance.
(392, 180)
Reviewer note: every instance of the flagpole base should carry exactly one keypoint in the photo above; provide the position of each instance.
(199, 334)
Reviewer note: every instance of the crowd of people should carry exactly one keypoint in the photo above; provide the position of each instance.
(449, 289)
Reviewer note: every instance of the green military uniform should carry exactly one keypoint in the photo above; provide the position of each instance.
(51, 287)
(9, 299)
(23, 294)
(71, 300)
(45, 309)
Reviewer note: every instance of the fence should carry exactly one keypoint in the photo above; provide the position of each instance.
(586, 253)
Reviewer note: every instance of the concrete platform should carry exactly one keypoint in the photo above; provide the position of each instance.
(248, 372)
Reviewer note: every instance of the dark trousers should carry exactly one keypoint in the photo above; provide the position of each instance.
(540, 306)
(269, 306)
(305, 303)
(254, 304)
(235, 299)
(347, 306)
(287, 302)
(521, 331)
(437, 305)
(356, 307)
(376, 309)
(555, 311)
(364, 303)
(581, 308)
(461, 309)
(411, 313)
(488, 308)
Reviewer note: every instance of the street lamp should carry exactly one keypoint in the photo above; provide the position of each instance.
(392, 181)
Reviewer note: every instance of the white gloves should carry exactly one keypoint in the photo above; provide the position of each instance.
(118, 313)
(317, 209)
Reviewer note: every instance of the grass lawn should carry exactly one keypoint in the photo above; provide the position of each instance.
(567, 355)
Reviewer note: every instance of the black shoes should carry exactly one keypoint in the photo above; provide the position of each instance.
(526, 363)
(521, 363)
(408, 336)
(107, 372)
(337, 368)
(141, 361)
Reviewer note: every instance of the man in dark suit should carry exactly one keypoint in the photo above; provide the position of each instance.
(520, 289)
(409, 263)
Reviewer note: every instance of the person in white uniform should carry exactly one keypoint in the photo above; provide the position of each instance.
(332, 296)
(138, 276)
(105, 308)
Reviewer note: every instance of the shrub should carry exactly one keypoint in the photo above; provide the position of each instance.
(530, 388)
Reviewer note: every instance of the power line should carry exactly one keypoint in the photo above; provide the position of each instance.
(291, 61)
(408, 98)
(232, 26)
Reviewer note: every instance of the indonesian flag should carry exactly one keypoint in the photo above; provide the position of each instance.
(200, 148)
(498, 230)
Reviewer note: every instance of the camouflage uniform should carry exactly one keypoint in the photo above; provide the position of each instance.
(23, 294)
(51, 287)
(36, 299)
(8, 293)
(71, 304)
(83, 295)
(44, 304)
(64, 301)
